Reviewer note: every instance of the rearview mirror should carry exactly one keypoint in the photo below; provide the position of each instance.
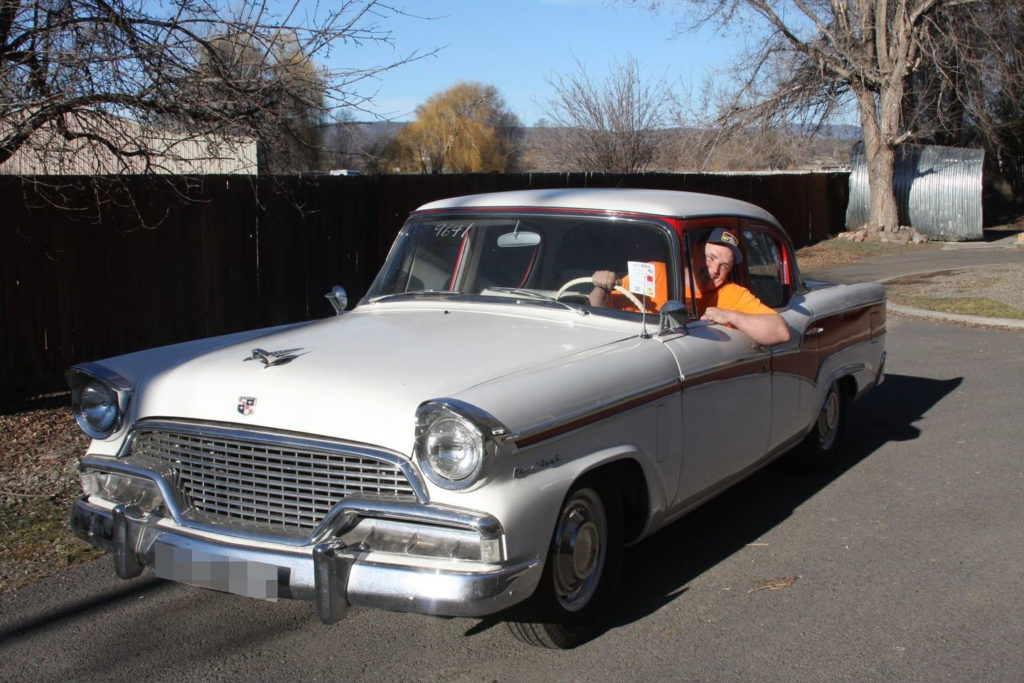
(518, 239)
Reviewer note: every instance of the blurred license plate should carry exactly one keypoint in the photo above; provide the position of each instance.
(208, 570)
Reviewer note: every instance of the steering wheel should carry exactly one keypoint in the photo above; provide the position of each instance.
(589, 280)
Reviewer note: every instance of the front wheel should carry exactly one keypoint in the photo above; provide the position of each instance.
(580, 573)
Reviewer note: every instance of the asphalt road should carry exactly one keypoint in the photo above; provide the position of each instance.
(909, 565)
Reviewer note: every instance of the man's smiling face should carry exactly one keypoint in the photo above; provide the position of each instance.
(713, 266)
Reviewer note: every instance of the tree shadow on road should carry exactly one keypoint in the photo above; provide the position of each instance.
(657, 570)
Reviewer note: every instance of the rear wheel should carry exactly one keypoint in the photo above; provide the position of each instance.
(821, 446)
(580, 573)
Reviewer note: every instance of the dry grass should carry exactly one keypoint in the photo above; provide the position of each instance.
(995, 292)
(40, 446)
(835, 252)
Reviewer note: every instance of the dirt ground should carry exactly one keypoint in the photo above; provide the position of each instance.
(40, 446)
(996, 291)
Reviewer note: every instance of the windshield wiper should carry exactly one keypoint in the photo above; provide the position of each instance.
(532, 294)
(415, 292)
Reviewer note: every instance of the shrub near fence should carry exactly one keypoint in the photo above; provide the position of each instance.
(248, 252)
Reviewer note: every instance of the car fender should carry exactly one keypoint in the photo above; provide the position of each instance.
(527, 496)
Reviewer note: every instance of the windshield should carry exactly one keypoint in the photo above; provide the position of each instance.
(525, 256)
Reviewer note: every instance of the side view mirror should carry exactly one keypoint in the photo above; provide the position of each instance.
(338, 298)
(673, 315)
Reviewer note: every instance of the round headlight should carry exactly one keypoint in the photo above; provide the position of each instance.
(99, 406)
(99, 399)
(456, 441)
(96, 409)
(453, 448)
(450, 448)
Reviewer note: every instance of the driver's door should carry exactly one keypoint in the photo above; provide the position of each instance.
(726, 405)
(727, 388)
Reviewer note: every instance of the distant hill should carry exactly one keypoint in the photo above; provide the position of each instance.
(361, 145)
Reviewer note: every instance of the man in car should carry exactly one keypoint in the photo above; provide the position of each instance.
(719, 300)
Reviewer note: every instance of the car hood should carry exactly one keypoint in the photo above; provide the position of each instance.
(361, 376)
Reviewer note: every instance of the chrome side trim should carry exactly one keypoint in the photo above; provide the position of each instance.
(620, 404)
(727, 369)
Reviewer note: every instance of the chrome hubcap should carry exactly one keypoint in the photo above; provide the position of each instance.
(828, 420)
(579, 553)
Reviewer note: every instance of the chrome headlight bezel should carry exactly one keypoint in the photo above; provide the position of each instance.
(455, 443)
(99, 400)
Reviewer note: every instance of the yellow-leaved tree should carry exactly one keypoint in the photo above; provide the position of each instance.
(465, 129)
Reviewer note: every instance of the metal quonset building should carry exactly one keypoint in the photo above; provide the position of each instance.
(938, 190)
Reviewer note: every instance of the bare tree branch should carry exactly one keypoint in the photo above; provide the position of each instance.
(816, 58)
(612, 126)
(72, 72)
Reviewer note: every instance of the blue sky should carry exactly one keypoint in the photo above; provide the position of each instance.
(516, 45)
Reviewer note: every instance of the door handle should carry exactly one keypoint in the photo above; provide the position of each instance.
(813, 331)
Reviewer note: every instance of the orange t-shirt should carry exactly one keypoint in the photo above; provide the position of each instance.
(733, 297)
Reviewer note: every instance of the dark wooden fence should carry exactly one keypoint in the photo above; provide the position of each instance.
(229, 253)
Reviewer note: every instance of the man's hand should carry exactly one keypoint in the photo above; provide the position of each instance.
(604, 283)
(722, 316)
(605, 279)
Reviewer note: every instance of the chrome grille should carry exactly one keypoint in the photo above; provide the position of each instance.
(275, 482)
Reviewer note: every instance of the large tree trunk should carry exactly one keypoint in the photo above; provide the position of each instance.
(881, 172)
(880, 124)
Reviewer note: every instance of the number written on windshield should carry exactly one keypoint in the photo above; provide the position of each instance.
(451, 230)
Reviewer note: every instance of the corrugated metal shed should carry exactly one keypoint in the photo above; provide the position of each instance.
(938, 190)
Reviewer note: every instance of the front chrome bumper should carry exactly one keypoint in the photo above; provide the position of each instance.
(330, 573)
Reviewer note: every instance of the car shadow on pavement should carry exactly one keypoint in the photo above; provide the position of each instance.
(32, 622)
(658, 570)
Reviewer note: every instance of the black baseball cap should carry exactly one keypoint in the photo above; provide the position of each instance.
(727, 238)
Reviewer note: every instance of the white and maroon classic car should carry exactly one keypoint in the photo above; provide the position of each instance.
(474, 436)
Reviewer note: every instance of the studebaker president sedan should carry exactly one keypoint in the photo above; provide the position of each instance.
(481, 433)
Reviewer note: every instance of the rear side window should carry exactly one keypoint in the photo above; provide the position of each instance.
(765, 267)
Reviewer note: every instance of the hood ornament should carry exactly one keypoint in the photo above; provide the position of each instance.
(269, 358)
